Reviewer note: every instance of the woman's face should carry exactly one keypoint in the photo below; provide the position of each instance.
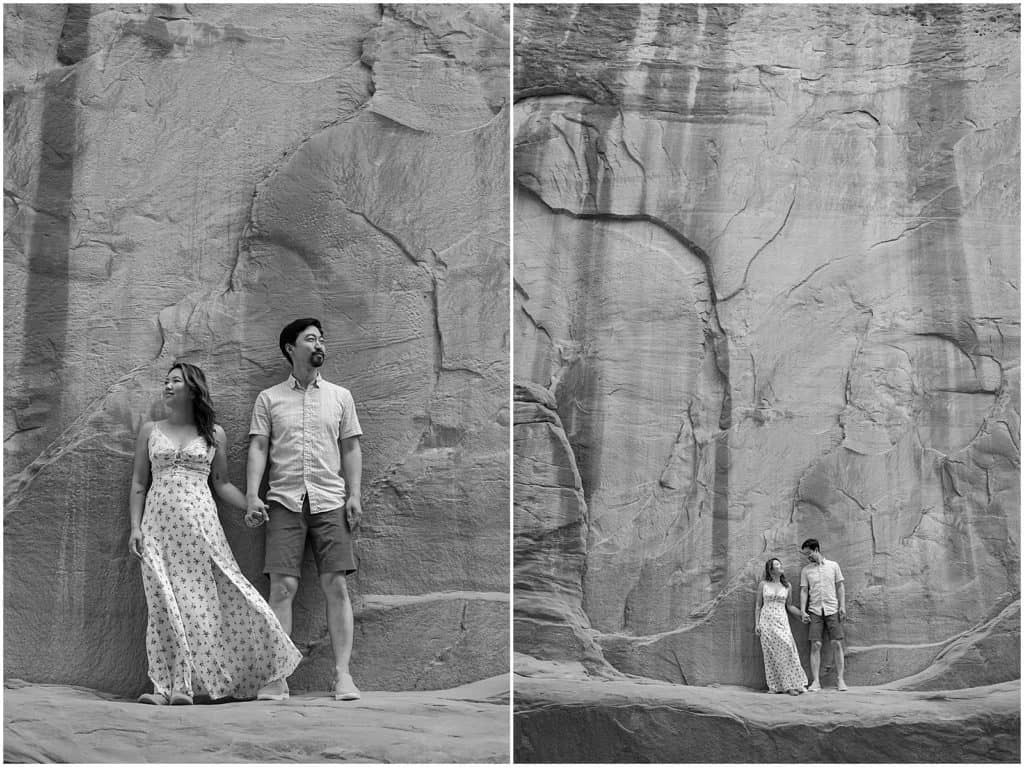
(175, 389)
(776, 567)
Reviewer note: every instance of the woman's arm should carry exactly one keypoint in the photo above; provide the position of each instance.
(791, 608)
(757, 607)
(225, 490)
(140, 484)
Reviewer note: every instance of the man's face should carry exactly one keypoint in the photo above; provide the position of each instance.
(811, 555)
(310, 348)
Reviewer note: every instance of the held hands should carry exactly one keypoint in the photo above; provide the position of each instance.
(805, 617)
(256, 513)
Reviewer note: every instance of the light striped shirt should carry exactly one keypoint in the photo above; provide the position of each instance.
(821, 581)
(304, 427)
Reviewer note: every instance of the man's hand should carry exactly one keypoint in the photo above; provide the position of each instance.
(842, 613)
(805, 617)
(256, 513)
(353, 512)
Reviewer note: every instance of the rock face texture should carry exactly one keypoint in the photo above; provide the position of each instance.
(182, 181)
(766, 289)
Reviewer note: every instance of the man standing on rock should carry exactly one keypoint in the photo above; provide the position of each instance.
(308, 429)
(823, 595)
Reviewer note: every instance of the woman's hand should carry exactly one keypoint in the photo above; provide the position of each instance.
(757, 630)
(135, 543)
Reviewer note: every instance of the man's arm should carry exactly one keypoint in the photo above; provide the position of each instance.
(804, 590)
(256, 511)
(841, 596)
(352, 470)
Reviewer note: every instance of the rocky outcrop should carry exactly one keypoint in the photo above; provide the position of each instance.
(560, 720)
(53, 723)
(766, 277)
(181, 181)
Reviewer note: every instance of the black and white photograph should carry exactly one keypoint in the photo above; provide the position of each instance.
(766, 371)
(256, 383)
(493, 383)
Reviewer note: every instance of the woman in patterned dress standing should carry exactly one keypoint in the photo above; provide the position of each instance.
(209, 631)
(782, 667)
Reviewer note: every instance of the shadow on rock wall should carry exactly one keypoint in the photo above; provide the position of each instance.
(767, 266)
(180, 183)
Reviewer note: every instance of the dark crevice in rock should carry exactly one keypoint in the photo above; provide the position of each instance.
(536, 324)
(73, 45)
(761, 249)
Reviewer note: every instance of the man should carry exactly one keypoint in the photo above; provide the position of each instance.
(823, 595)
(308, 429)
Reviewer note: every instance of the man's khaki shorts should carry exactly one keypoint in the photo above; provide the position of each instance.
(830, 622)
(329, 537)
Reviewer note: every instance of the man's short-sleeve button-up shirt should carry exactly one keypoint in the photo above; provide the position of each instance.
(304, 427)
(821, 581)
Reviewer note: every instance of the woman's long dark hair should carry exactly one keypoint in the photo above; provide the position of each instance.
(768, 571)
(202, 405)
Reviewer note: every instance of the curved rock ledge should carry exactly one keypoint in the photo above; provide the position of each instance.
(568, 720)
(51, 723)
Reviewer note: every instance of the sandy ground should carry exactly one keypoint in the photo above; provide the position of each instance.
(566, 720)
(51, 723)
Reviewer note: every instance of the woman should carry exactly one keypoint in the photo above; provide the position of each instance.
(782, 666)
(210, 632)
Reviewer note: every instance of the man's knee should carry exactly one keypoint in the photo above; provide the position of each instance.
(282, 588)
(334, 585)
(815, 645)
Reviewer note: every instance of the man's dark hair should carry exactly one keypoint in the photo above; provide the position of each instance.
(810, 543)
(291, 331)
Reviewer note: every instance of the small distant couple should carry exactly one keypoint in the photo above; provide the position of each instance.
(210, 632)
(822, 605)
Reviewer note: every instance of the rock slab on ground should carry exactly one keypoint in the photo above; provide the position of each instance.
(52, 723)
(566, 720)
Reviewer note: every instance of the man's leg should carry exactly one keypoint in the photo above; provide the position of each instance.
(335, 559)
(339, 624)
(815, 665)
(837, 653)
(282, 593)
(286, 538)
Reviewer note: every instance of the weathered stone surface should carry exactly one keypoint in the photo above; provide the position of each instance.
(562, 720)
(181, 181)
(767, 276)
(52, 723)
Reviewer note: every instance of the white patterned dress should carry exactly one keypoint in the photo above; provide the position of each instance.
(209, 632)
(782, 667)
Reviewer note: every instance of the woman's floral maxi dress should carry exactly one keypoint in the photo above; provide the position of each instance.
(782, 667)
(210, 632)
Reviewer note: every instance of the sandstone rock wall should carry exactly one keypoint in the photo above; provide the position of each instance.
(767, 284)
(180, 182)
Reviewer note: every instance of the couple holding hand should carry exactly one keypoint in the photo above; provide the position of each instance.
(822, 605)
(210, 632)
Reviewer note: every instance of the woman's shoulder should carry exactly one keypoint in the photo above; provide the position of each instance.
(218, 433)
(147, 427)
